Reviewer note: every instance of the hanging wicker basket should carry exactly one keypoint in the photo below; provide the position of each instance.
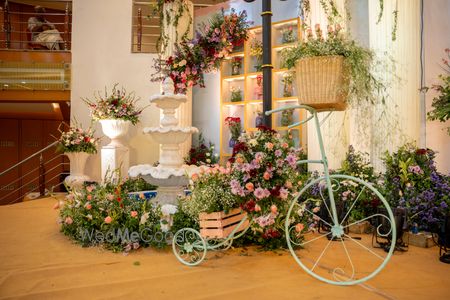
(322, 82)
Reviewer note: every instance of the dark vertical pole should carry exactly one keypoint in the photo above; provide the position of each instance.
(7, 26)
(41, 176)
(267, 59)
(139, 30)
(66, 26)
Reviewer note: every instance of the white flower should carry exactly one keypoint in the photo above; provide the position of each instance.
(208, 161)
(169, 209)
(144, 218)
(208, 154)
(182, 63)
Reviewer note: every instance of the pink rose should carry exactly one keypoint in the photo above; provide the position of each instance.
(108, 220)
(288, 184)
(316, 209)
(299, 227)
(134, 214)
(285, 145)
(89, 197)
(88, 206)
(110, 197)
(68, 220)
(273, 208)
(266, 175)
(249, 186)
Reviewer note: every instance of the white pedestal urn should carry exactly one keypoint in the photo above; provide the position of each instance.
(77, 164)
(115, 155)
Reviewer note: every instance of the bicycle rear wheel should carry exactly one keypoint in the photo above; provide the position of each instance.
(337, 256)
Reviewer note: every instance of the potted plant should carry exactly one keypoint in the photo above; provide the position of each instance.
(212, 205)
(287, 117)
(287, 35)
(236, 94)
(115, 112)
(333, 70)
(234, 125)
(77, 144)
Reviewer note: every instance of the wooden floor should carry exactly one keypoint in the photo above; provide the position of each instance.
(38, 262)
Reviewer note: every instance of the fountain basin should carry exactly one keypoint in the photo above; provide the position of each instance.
(170, 135)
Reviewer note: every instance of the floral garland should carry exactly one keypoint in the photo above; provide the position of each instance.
(205, 52)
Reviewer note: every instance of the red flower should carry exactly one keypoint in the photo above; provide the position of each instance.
(249, 206)
(87, 139)
(119, 199)
(421, 151)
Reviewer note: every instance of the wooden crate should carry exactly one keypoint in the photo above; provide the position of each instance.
(360, 228)
(220, 225)
(421, 239)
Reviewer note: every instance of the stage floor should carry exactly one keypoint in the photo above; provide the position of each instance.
(38, 262)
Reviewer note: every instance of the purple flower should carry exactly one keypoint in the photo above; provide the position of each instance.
(278, 153)
(292, 160)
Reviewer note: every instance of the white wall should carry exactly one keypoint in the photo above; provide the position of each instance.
(436, 39)
(101, 56)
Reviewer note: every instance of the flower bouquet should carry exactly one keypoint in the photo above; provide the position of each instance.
(236, 65)
(256, 51)
(77, 139)
(202, 154)
(234, 125)
(288, 80)
(287, 35)
(118, 105)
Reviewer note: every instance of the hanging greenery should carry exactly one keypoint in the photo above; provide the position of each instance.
(334, 16)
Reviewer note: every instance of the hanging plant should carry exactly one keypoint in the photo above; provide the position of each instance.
(205, 52)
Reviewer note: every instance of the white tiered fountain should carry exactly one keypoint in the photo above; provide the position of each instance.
(171, 175)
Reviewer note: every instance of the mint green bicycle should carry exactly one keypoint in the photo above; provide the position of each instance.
(335, 255)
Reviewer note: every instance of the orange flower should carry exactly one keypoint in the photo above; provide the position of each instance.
(266, 175)
(134, 214)
(299, 227)
(108, 220)
(249, 186)
(273, 209)
(194, 177)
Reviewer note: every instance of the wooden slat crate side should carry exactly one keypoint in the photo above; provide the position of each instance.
(222, 233)
(221, 223)
(219, 215)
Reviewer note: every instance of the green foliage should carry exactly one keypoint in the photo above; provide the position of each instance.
(96, 214)
(441, 103)
(359, 61)
(137, 185)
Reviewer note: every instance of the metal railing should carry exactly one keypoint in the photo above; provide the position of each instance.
(43, 173)
(12, 28)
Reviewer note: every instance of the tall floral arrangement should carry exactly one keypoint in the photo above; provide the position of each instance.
(412, 181)
(265, 178)
(76, 139)
(204, 53)
(117, 105)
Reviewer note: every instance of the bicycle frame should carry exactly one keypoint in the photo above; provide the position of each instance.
(324, 160)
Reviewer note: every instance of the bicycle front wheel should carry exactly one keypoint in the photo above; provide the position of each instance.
(339, 251)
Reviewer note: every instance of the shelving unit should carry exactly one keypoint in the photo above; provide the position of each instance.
(246, 81)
